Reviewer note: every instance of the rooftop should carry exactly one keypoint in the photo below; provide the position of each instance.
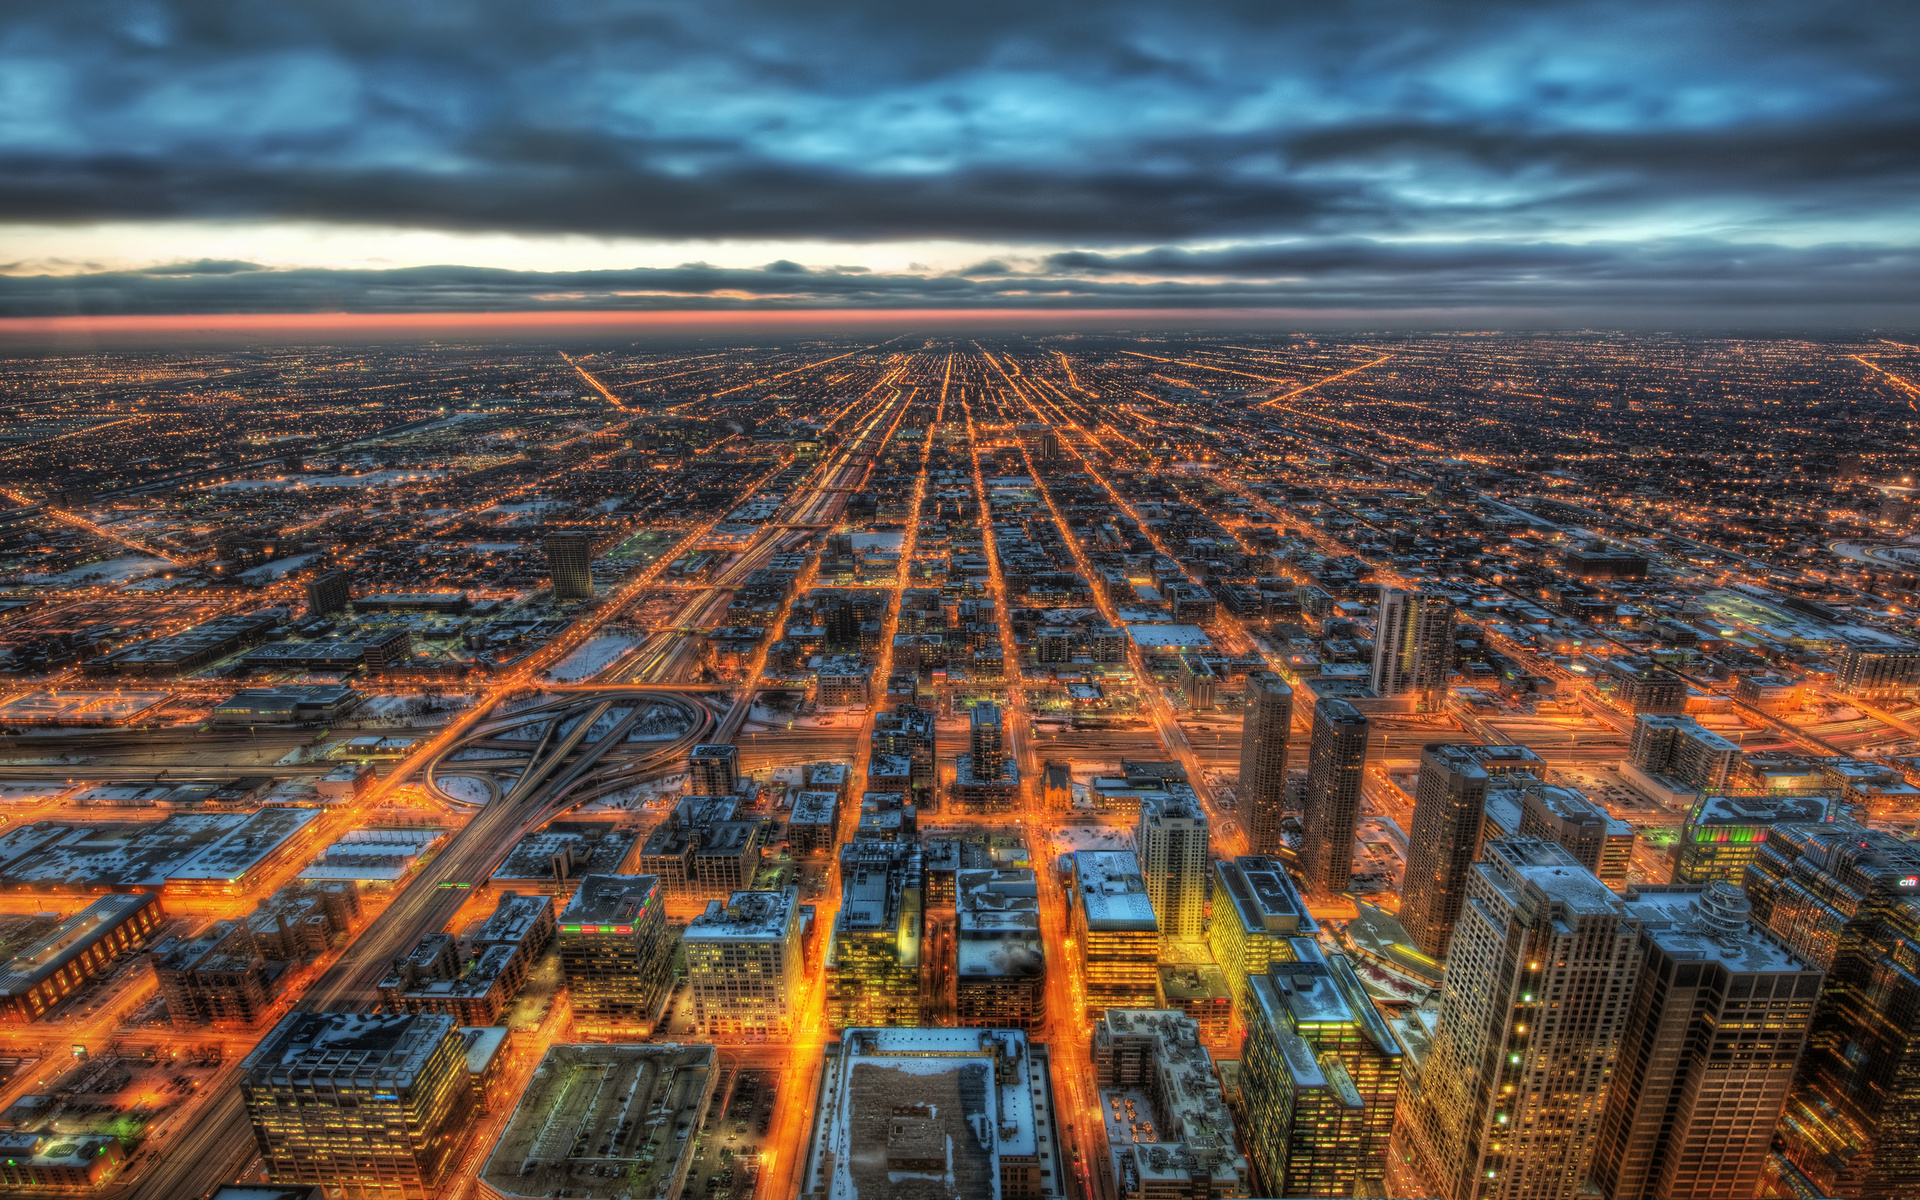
(747, 916)
(1112, 891)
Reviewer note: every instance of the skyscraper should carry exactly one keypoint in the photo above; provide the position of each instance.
(1172, 845)
(1114, 925)
(1449, 803)
(1334, 764)
(1843, 897)
(1506, 1103)
(1412, 645)
(1320, 1077)
(1263, 758)
(570, 562)
(1714, 1031)
(372, 1107)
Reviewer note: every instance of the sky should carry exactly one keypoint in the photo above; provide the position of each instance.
(1750, 162)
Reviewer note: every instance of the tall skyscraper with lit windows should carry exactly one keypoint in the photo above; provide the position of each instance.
(1412, 645)
(1507, 1101)
(1334, 770)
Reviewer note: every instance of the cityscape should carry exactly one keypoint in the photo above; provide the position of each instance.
(1124, 764)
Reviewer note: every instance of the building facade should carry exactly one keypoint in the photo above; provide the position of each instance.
(1335, 764)
(615, 951)
(1264, 735)
(744, 960)
(1171, 843)
(1413, 646)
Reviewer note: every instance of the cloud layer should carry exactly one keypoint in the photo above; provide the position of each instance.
(1394, 152)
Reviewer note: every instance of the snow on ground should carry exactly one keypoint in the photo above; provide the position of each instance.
(1069, 838)
(465, 788)
(112, 570)
(596, 655)
(879, 541)
(278, 569)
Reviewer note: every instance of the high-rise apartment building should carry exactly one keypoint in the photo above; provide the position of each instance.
(743, 962)
(1413, 645)
(1263, 758)
(873, 958)
(370, 1107)
(713, 770)
(1714, 1031)
(1506, 1103)
(1172, 848)
(1114, 925)
(986, 778)
(570, 563)
(1846, 899)
(1681, 748)
(615, 951)
(986, 738)
(327, 592)
(1319, 1079)
(909, 731)
(1450, 801)
(1335, 762)
(1257, 913)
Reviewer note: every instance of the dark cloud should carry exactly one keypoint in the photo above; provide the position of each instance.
(1345, 127)
(1355, 276)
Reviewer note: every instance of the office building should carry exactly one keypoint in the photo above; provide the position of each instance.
(570, 563)
(1172, 848)
(1724, 833)
(1681, 749)
(371, 1107)
(1158, 1055)
(1714, 1031)
(935, 1114)
(1263, 758)
(1000, 967)
(1335, 763)
(1413, 646)
(1320, 1078)
(58, 958)
(604, 1122)
(1257, 912)
(713, 771)
(1507, 1100)
(1841, 897)
(614, 950)
(1639, 685)
(1114, 925)
(703, 852)
(1197, 987)
(327, 592)
(812, 826)
(873, 955)
(744, 962)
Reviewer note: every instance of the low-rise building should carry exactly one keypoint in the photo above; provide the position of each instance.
(1167, 1127)
(938, 1114)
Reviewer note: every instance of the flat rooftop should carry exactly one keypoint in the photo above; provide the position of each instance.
(1112, 891)
(746, 916)
(604, 1121)
(611, 899)
(928, 1114)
